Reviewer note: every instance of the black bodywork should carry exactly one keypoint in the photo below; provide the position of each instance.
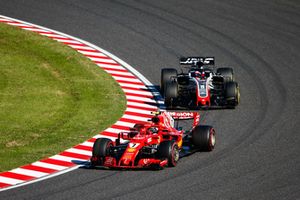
(181, 90)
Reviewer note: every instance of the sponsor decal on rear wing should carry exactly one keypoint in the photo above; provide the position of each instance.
(186, 115)
(197, 60)
(183, 115)
(169, 117)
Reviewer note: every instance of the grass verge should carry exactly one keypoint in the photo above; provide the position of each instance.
(51, 98)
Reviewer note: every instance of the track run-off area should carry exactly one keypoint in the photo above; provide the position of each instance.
(257, 155)
(140, 103)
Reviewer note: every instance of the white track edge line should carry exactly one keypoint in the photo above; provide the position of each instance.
(120, 61)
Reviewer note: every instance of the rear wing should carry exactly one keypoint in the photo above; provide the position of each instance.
(186, 116)
(197, 61)
(183, 115)
(169, 117)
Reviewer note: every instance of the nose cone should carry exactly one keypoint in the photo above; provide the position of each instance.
(203, 102)
(125, 162)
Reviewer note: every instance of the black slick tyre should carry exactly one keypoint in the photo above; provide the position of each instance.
(203, 138)
(100, 150)
(227, 73)
(232, 94)
(166, 75)
(169, 150)
(171, 93)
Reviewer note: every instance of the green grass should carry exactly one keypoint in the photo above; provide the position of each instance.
(51, 98)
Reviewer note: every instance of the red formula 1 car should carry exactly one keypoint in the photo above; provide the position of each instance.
(154, 144)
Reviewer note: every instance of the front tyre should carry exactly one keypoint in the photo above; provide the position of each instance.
(232, 94)
(101, 149)
(171, 93)
(169, 150)
(166, 75)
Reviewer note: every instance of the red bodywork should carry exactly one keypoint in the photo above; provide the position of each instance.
(202, 92)
(142, 137)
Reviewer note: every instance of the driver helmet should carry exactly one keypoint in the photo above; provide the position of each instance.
(203, 74)
(200, 74)
(197, 74)
(152, 130)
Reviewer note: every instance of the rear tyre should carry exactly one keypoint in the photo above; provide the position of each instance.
(203, 138)
(169, 150)
(166, 75)
(171, 93)
(100, 150)
(232, 94)
(227, 73)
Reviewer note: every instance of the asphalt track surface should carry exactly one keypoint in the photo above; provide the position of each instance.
(257, 154)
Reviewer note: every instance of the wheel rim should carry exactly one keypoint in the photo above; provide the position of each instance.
(175, 154)
(212, 139)
(110, 144)
(238, 96)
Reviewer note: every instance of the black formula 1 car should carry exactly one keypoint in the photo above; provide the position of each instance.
(202, 86)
